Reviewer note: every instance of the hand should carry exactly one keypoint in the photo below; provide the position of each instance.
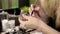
(32, 23)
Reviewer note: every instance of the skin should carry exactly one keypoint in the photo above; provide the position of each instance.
(38, 12)
(34, 23)
(37, 23)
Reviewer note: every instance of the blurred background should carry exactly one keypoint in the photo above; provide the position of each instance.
(10, 4)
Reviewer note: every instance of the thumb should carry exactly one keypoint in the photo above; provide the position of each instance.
(25, 16)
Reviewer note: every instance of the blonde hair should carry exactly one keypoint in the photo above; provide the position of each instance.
(57, 13)
(50, 6)
(58, 17)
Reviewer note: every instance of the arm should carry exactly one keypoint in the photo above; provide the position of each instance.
(46, 29)
(34, 23)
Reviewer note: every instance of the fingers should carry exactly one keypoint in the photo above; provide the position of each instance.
(31, 23)
(25, 16)
(23, 21)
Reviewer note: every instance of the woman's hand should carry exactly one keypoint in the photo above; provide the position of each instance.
(34, 23)
(31, 23)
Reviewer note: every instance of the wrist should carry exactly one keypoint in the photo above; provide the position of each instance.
(41, 26)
